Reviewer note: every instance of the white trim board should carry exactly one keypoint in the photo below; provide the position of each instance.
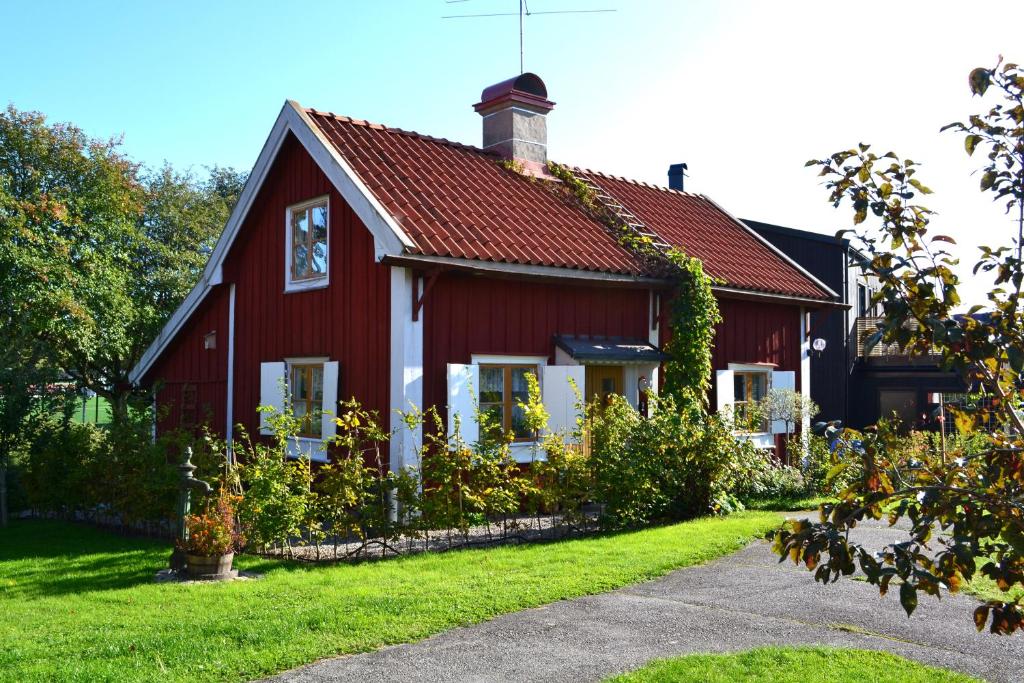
(524, 269)
(789, 299)
(229, 408)
(507, 359)
(388, 238)
(406, 370)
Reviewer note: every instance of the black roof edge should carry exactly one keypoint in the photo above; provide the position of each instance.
(576, 347)
(796, 232)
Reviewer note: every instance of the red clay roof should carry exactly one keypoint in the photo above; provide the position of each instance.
(457, 200)
(702, 229)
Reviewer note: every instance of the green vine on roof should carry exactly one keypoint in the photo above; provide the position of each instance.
(694, 309)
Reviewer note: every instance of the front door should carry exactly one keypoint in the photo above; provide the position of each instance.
(901, 402)
(603, 381)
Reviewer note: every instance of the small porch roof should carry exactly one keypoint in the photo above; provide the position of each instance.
(609, 350)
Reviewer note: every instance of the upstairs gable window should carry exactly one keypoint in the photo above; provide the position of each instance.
(306, 245)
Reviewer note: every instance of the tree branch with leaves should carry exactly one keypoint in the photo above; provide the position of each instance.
(966, 509)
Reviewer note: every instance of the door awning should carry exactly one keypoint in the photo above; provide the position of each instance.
(609, 350)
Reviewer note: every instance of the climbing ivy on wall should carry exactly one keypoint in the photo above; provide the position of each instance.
(694, 310)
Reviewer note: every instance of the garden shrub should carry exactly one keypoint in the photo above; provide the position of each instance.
(114, 473)
(356, 487)
(275, 506)
(678, 463)
(819, 463)
(131, 473)
(61, 466)
(674, 465)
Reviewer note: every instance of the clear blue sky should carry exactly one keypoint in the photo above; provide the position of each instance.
(744, 91)
(199, 83)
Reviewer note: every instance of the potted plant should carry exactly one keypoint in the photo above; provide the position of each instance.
(212, 539)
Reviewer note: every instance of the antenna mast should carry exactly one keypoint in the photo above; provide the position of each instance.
(524, 11)
(522, 8)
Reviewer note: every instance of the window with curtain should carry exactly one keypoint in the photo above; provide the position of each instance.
(749, 387)
(502, 387)
(306, 384)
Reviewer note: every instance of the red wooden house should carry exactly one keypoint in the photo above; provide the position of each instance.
(370, 262)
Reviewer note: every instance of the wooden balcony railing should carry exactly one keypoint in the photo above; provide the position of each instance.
(881, 352)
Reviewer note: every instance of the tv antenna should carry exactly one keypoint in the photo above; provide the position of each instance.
(524, 11)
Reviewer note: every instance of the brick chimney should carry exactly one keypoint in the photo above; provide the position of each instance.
(515, 123)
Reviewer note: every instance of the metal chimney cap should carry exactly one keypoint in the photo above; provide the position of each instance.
(526, 88)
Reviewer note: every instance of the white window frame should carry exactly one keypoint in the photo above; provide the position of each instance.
(522, 451)
(290, 284)
(748, 368)
(305, 446)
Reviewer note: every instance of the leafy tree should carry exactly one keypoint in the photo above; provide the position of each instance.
(789, 407)
(976, 495)
(97, 252)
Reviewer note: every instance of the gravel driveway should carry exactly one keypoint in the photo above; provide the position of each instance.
(735, 603)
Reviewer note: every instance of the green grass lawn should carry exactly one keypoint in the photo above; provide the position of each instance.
(985, 588)
(80, 604)
(97, 410)
(792, 665)
(787, 503)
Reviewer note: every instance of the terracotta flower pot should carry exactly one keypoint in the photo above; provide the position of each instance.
(209, 566)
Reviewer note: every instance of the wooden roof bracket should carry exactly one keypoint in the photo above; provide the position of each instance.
(418, 296)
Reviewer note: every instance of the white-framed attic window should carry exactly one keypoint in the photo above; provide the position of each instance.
(307, 245)
(311, 385)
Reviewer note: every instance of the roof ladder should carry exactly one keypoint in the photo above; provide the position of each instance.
(627, 217)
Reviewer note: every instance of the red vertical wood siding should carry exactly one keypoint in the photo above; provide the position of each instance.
(756, 332)
(752, 332)
(186, 361)
(467, 314)
(347, 321)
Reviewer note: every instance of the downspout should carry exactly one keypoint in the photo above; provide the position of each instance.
(229, 408)
(847, 367)
(805, 382)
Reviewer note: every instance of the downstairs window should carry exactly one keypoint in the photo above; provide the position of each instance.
(502, 388)
(306, 385)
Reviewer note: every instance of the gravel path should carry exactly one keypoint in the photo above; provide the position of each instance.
(736, 603)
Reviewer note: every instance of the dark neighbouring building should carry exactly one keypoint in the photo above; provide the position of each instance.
(849, 384)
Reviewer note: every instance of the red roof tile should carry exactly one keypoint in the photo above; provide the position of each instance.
(730, 252)
(457, 200)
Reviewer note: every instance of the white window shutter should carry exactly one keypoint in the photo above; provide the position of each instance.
(725, 390)
(782, 379)
(329, 426)
(272, 379)
(463, 385)
(559, 396)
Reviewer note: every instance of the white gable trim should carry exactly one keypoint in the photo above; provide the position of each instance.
(388, 238)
